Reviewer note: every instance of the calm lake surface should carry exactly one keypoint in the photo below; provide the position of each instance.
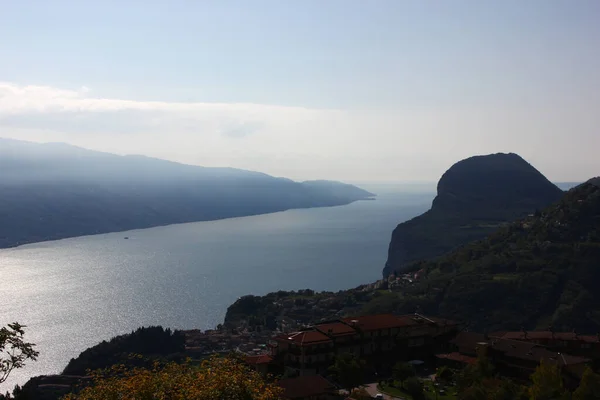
(74, 293)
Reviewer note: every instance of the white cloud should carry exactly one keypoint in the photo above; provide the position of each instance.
(303, 143)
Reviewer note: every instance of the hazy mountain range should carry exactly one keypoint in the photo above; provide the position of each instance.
(54, 190)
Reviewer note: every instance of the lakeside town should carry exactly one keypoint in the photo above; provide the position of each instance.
(389, 350)
(286, 311)
(304, 357)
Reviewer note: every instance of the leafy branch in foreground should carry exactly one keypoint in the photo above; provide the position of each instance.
(215, 378)
(14, 351)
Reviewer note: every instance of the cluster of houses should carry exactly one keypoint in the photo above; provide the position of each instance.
(517, 354)
(379, 340)
(394, 282)
(383, 340)
(199, 344)
(304, 355)
(397, 282)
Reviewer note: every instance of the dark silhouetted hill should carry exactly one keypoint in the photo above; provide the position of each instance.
(53, 191)
(139, 347)
(537, 272)
(474, 197)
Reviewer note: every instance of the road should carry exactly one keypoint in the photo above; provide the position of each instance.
(371, 388)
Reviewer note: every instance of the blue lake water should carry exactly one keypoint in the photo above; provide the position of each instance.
(74, 293)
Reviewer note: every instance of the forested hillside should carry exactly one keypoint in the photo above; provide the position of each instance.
(475, 197)
(537, 272)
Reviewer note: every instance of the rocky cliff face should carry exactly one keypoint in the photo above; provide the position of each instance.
(475, 196)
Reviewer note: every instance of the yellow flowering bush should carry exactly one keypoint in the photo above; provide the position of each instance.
(218, 378)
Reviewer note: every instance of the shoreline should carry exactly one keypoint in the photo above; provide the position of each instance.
(59, 238)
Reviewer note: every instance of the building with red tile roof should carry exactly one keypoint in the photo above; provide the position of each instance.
(513, 357)
(262, 363)
(308, 352)
(307, 337)
(368, 323)
(336, 329)
(378, 339)
(548, 335)
(565, 342)
(259, 359)
(458, 358)
(407, 322)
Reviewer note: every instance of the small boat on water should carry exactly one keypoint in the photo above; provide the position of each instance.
(126, 237)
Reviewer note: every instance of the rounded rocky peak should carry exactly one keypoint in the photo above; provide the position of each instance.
(595, 181)
(497, 180)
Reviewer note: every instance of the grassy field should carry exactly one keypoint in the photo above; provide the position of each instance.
(450, 394)
(394, 391)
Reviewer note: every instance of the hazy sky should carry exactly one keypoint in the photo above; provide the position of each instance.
(353, 90)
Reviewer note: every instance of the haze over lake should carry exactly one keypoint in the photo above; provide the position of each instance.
(74, 293)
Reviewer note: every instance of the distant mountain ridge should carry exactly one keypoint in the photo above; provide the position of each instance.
(54, 190)
(475, 196)
(336, 189)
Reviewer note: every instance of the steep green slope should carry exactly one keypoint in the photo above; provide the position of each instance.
(539, 271)
(475, 197)
(542, 270)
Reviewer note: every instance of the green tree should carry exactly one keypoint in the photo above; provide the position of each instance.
(475, 392)
(444, 374)
(471, 378)
(484, 368)
(360, 394)
(494, 389)
(589, 388)
(14, 350)
(215, 378)
(507, 390)
(348, 370)
(414, 387)
(402, 371)
(547, 383)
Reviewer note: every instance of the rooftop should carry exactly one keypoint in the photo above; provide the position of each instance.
(386, 321)
(471, 341)
(456, 356)
(306, 337)
(548, 335)
(259, 359)
(376, 322)
(336, 328)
